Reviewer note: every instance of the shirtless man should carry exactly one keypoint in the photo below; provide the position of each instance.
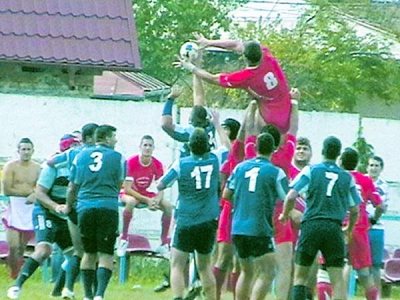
(19, 181)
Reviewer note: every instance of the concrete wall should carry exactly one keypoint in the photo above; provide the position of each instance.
(46, 119)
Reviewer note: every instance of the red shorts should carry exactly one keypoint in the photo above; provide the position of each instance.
(224, 233)
(359, 249)
(282, 231)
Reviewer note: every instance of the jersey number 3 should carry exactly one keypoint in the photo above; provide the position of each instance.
(97, 161)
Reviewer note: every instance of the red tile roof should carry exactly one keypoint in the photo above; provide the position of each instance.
(91, 33)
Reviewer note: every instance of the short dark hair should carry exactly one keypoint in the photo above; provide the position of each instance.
(198, 141)
(104, 131)
(199, 116)
(304, 142)
(331, 147)
(274, 131)
(146, 137)
(265, 144)
(233, 126)
(88, 131)
(252, 51)
(378, 159)
(349, 159)
(25, 141)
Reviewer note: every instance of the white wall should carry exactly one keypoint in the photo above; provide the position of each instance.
(46, 119)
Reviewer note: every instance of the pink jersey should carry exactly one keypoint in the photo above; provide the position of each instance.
(142, 176)
(368, 192)
(267, 83)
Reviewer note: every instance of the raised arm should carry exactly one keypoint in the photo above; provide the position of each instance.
(294, 115)
(167, 123)
(223, 137)
(231, 45)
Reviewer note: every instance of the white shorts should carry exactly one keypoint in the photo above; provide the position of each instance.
(19, 214)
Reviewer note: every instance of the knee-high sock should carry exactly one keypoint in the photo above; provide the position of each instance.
(299, 292)
(60, 282)
(220, 276)
(73, 272)
(103, 278)
(88, 278)
(165, 223)
(126, 218)
(27, 270)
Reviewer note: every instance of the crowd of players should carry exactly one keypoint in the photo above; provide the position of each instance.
(250, 195)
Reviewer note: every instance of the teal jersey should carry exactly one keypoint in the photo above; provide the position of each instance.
(330, 191)
(99, 172)
(257, 185)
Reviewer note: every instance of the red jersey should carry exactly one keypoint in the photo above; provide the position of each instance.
(293, 171)
(235, 156)
(267, 83)
(368, 192)
(142, 176)
(281, 158)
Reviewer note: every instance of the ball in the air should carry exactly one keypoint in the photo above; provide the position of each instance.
(189, 50)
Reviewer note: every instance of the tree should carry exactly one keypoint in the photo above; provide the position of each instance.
(324, 57)
(163, 26)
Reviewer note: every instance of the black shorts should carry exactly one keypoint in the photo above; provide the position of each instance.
(51, 229)
(199, 237)
(252, 246)
(321, 235)
(99, 229)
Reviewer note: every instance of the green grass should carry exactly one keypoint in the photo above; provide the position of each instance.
(145, 274)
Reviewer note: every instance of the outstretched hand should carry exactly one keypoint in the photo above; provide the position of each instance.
(201, 40)
(176, 91)
(184, 63)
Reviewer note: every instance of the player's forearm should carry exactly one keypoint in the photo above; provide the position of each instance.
(231, 45)
(206, 76)
(353, 217)
(46, 201)
(198, 91)
(10, 190)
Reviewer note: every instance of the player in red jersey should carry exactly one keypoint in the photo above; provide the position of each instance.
(142, 170)
(262, 78)
(359, 247)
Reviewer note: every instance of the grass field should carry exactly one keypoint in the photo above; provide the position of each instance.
(145, 274)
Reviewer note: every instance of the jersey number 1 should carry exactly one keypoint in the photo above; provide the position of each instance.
(252, 174)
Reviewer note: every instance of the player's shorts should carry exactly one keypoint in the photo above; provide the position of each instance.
(224, 234)
(252, 246)
(18, 215)
(99, 229)
(324, 235)
(73, 215)
(50, 228)
(139, 205)
(282, 231)
(377, 242)
(199, 237)
(359, 249)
